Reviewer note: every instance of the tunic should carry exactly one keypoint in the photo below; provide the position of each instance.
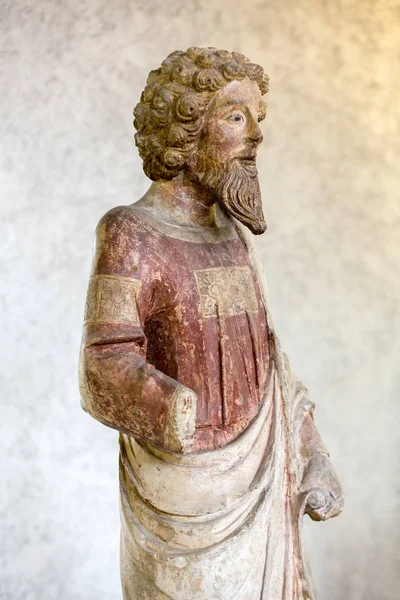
(188, 304)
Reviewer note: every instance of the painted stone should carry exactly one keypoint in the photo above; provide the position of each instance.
(219, 454)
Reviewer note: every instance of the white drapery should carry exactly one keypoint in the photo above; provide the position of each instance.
(222, 524)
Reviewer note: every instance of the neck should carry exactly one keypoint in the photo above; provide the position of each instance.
(183, 201)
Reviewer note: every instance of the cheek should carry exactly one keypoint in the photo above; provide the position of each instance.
(224, 139)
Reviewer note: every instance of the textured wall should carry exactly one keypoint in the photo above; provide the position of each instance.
(71, 73)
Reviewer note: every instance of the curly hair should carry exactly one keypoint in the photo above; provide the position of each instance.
(169, 117)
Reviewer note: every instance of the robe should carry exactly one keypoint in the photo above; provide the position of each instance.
(170, 308)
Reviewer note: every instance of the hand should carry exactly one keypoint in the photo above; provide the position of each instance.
(324, 494)
(181, 420)
(321, 504)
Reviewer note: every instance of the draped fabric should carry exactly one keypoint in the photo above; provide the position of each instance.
(223, 524)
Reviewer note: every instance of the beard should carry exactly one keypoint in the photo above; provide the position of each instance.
(237, 189)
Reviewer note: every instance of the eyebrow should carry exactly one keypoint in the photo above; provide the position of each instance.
(233, 101)
(236, 101)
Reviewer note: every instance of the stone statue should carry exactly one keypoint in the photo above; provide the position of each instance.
(219, 454)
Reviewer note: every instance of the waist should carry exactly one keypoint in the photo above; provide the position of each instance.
(203, 482)
(210, 437)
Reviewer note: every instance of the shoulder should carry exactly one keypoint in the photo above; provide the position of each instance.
(120, 236)
(118, 221)
(123, 226)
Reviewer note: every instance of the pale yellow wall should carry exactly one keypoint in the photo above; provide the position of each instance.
(71, 74)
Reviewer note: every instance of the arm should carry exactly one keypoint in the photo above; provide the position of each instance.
(320, 482)
(318, 485)
(118, 386)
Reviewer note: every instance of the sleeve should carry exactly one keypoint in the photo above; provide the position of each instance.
(314, 473)
(118, 386)
(311, 443)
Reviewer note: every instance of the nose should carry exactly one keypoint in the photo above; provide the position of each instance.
(254, 132)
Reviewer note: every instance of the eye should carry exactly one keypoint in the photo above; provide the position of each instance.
(260, 118)
(236, 117)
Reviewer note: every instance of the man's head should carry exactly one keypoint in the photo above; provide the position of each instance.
(200, 113)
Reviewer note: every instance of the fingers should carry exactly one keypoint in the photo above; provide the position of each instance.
(321, 504)
(181, 421)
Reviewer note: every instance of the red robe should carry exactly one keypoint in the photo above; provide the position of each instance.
(168, 305)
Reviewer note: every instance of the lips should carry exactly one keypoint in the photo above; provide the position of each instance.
(247, 160)
(249, 164)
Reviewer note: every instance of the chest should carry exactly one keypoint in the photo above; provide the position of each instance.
(207, 280)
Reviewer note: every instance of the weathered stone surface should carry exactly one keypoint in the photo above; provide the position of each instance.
(329, 171)
(220, 457)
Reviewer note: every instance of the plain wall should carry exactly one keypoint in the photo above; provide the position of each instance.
(70, 75)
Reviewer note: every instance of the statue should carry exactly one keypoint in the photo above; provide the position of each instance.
(219, 454)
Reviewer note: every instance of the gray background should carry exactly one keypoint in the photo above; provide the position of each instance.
(71, 73)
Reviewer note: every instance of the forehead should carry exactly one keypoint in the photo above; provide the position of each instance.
(239, 93)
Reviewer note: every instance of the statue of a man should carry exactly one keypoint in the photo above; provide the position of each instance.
(219, 454)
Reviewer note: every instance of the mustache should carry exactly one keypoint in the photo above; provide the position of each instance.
(248, 163)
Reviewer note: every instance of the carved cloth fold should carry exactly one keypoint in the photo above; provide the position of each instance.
(223, 524)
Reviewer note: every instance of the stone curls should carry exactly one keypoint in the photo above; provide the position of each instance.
(169, 117)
